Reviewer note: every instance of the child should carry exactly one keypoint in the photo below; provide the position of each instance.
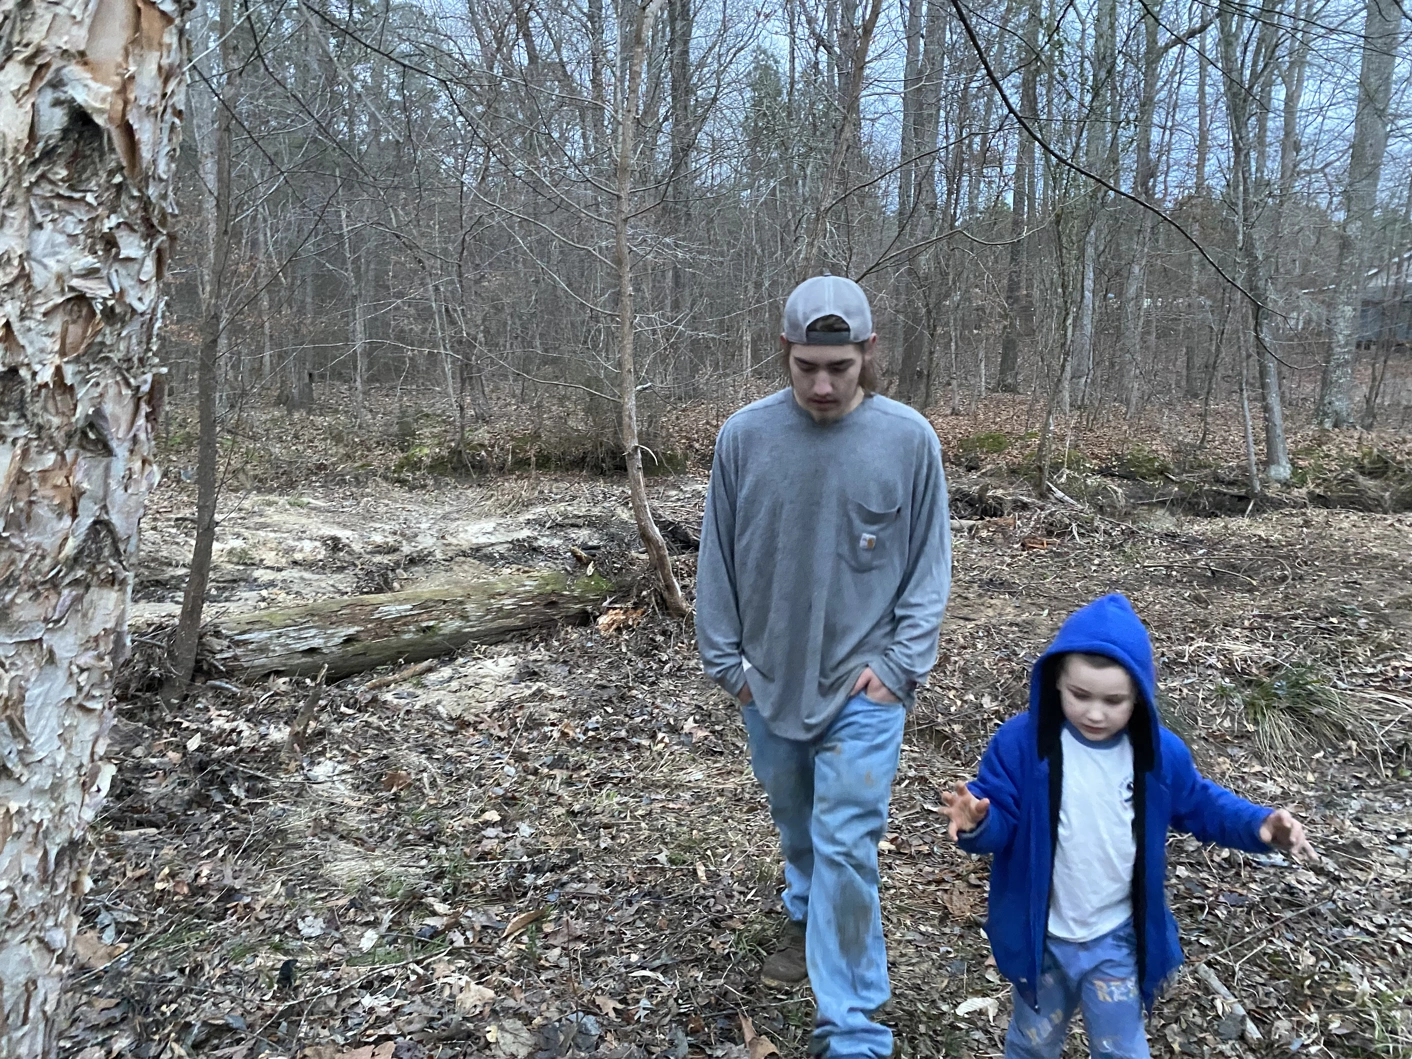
(1074, 801)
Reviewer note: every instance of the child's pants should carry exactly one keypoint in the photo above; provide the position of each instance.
(828, 797)
(1099, 976)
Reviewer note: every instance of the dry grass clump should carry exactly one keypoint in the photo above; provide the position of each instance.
(1296, 710)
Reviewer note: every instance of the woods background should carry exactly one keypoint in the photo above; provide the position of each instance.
(421, 200)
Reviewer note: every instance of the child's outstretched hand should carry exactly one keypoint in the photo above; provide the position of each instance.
(967, 812)
(1283, 831)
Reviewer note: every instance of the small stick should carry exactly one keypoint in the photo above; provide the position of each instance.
(1252, 1032)
(406, 673)
(299, 730)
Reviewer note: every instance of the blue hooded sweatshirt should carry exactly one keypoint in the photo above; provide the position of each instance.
(1022, 775)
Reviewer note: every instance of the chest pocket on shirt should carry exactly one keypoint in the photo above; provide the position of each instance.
(871, 537)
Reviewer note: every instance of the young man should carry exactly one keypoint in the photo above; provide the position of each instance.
(824, 570)
(1074, 801)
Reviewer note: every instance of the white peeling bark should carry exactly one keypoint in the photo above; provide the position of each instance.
(92, 94)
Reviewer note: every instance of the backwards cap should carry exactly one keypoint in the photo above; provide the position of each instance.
(823, 296)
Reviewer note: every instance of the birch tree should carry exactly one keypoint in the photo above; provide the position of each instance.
(87, 151)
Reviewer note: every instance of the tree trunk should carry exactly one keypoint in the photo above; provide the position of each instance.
(1292, 74)
(1252, 471)
(1098, 140)
(1018, 297)
(855, 44)
(1081, 364)
(1382, 26)
(634, 33)
(912, 315)
(1203, 117)
(357, 633)
(679, 178)
(357, 327)
(1008, 380)
(1242, 84)
(1194, 323)
(265, 278)
(92, 112)
(916, 198)
(598, 108)
(1058, 393)
(1144, 181)
(188, 629)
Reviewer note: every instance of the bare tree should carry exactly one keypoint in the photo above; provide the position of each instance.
(474, 260)
(1381, 30)
(635, 30)
(93, 104)
(1021, 207)
(187, 635)
(1243, 76)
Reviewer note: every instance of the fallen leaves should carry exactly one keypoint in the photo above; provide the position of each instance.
(522, 921)
(473, 999)
(607, 1005)
(614, 620)
(377, 1051)
(988, 1004)
(593, 777)
(338, 1051)
(510, 1039)
(93, 953)
(758, 1046)
(311, 926)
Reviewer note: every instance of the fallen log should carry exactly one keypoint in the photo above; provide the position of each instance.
(356, 633)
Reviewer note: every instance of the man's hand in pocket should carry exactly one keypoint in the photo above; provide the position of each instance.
(869, 684)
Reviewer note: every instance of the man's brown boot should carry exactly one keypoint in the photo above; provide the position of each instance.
(786, 965)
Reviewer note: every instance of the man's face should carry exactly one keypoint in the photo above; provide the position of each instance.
(825, 378)
(1098, 700)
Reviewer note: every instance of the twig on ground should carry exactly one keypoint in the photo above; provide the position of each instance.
(1269, 927)
(405, 673)
(299, 730)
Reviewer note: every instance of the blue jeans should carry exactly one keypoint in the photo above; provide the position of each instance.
(1099, 977)
(828, 797)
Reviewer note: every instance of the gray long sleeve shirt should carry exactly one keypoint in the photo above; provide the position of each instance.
(825, 548)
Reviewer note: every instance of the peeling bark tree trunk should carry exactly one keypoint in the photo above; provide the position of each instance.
(88, 141)
(634, 38)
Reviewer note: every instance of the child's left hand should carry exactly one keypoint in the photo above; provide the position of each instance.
(1283, 831)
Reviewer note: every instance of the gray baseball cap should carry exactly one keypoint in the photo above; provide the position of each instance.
(823, 296)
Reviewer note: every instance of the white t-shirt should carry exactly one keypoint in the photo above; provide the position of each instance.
(1093, 861)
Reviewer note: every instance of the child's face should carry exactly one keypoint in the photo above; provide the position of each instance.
(1098, 700)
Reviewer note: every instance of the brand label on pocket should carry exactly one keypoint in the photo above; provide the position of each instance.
(868, 542)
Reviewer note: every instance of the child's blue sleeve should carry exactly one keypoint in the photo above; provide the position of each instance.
(998, 780)
(1207, 810)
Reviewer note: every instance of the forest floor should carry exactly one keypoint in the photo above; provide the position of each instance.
(554, 846)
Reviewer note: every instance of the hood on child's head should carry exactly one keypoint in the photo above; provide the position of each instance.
(1109, 627)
